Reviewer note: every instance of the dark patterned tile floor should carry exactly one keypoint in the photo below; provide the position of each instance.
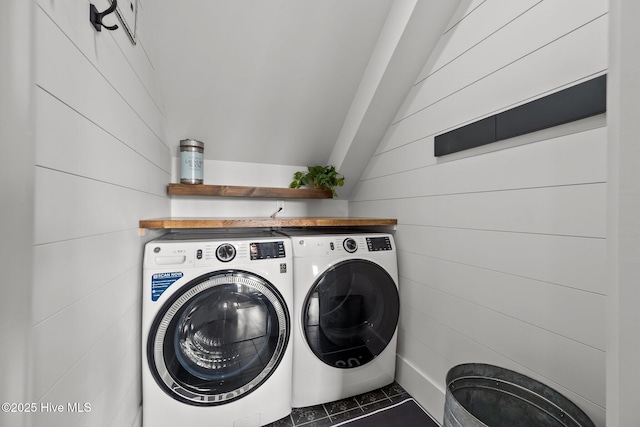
(332, 413)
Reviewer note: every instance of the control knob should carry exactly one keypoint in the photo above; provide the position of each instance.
(226, 252)
(350, 245)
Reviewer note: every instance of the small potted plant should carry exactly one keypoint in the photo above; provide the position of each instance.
(325, 177)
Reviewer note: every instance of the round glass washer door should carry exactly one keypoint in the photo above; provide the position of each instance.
(219, 338)
(351, 313)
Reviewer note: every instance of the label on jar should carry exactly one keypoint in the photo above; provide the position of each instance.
(191, 167)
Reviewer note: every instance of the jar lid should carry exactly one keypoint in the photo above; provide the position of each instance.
(191, 143)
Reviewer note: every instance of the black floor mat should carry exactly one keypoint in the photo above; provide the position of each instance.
(404, 414)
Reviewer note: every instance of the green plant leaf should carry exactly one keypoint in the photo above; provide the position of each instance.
(318, 176)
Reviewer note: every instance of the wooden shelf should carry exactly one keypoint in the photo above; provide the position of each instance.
(241, 191)
(169, 223)
(257, 192)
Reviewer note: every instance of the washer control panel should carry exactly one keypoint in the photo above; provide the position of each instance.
(225, 252)
(267, 250)
(208, 253)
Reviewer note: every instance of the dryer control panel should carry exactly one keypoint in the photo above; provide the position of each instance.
(379, 244)
(331, 245)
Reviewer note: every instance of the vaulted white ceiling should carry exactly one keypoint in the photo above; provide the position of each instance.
(287, 82)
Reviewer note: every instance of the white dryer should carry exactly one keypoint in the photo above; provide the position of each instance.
(346, 308)
(216, 330)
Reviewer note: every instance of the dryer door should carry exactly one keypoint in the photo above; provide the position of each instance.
(219, 338)
(351, 313)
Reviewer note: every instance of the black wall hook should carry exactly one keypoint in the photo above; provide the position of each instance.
(96, 17)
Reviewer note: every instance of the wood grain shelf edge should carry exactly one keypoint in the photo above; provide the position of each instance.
(244, 191)
(186, 223)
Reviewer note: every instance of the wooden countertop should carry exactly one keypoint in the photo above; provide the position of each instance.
(176, 222)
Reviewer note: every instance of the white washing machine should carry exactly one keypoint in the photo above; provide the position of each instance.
(216, 325)
(345, 310)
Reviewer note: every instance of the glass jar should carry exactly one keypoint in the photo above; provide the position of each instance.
(191, 161)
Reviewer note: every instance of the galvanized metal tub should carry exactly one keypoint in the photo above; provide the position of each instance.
(480, 395)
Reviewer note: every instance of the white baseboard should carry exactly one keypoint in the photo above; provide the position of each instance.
(421, 388)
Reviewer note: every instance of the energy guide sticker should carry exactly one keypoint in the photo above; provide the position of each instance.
(161, 281)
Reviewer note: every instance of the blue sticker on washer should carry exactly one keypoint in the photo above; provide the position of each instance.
(161, 281)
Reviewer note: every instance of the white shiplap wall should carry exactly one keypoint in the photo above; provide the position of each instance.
(102, 164)
(502, 248)
(16, 208)
(623, 346)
